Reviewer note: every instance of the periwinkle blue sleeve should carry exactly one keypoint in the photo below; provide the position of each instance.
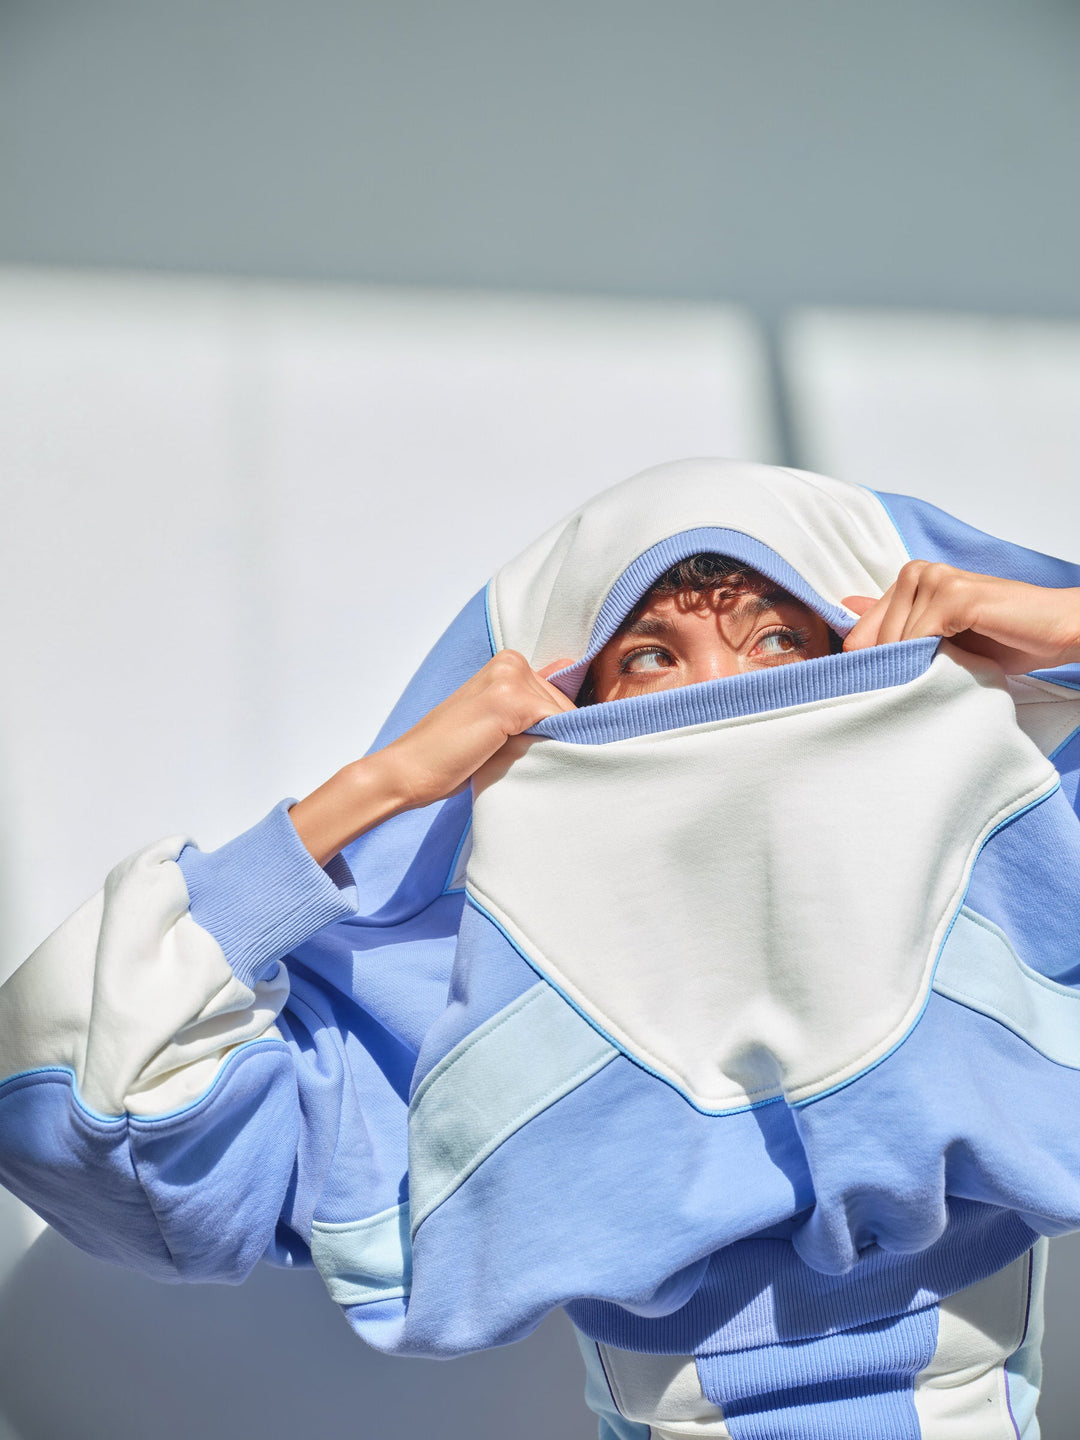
(262, 893)
(933, 534)
(217, 1048)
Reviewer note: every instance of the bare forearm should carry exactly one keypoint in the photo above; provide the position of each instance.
(432, 760)
(356, 799)
(1021, 626)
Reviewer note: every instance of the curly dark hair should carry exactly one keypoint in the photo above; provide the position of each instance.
(706, 573)
(698, 575)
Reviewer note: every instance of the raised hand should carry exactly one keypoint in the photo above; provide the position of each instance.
(441, 753)
(434, 759)
(1023, 627)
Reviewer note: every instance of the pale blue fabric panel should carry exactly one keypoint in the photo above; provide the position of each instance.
(364, 1260)
(980, 969)
(526, 1057)
(600, 1400)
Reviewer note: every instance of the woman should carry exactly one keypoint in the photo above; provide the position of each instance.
(729, 1009)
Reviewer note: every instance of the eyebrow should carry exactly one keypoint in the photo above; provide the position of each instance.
(758, 604)
(654, 629)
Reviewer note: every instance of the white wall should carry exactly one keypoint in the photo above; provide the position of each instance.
(980, 415)
(235, 518)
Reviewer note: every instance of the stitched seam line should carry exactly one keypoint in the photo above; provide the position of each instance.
(1064, 992)
(533, 1109)
(460, 1051)
(845, 1073)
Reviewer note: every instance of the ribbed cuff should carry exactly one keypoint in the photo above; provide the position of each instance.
(262, 893)
(827, 677)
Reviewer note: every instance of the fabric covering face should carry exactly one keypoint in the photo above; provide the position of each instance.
(716, 915)
(671, 899)
(744, 889)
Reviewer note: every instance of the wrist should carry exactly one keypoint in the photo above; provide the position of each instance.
(356, 799)
(1072, 648)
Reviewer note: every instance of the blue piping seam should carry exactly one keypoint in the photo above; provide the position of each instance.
(126, 1117)
(471, 899)
(487, 616)
(1023, 1342)
(630, 1424)
(1023, 1337)
(892, 519)
(1067, 741)
(810, 1100)
(457, 889)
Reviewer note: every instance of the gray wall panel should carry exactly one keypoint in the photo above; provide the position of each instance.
(768, 151)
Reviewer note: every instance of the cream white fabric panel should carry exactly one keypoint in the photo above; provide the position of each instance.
(1047, 713)
(962, 1394)
(662, 1391)
(546, 600)
(979, 415)
(755, 1014)
(166, 1008)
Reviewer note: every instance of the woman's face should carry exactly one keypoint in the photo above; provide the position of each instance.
(690, 636)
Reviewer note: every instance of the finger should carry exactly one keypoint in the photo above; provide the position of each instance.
(946, 604)
(553, 692)
(864, 633)
(553, 697)
(904, 594)
(924, 618)
(546, 670)
(859, 604)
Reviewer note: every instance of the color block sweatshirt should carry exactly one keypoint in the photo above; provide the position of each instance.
(739, 1019)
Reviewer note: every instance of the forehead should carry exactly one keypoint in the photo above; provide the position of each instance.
(754, 597)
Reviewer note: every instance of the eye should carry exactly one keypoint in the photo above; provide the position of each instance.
(781, 644)
(650, 660)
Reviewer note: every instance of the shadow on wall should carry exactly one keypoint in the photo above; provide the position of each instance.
(176, 1361)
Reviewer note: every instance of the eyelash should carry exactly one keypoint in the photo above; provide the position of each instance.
(624, 663)
(799, 638)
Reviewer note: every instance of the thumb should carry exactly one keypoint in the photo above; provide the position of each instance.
(859, 604)
(546, 670)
